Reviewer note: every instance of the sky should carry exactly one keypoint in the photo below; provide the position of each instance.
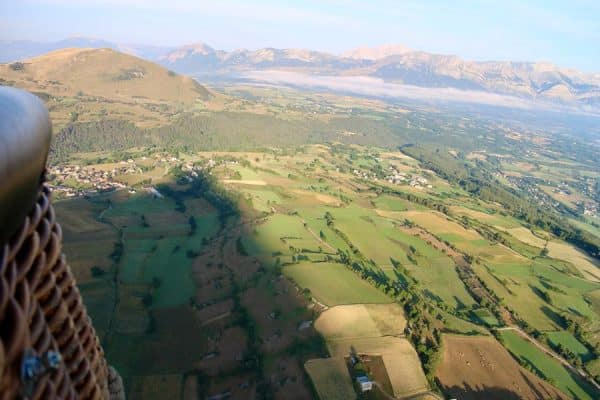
(566, 33)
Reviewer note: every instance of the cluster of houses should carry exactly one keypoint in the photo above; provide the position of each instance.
(562, 189)
(364, 174)
(400, 178)
(363, 382)
(88, 180)
(76, 181)
(589, 209)
(395, 177)
(529, 184)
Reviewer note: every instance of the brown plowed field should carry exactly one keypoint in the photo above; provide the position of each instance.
(479, 368)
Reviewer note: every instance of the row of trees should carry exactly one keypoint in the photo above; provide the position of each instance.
(478, 180)
(406, 290)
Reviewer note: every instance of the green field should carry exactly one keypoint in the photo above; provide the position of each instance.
(277, 234)
(484, 316)
(157, 253)
(546, 367)
(568, 341)
(189, 290)
(342, 241)
(391, 203)
(334, 284)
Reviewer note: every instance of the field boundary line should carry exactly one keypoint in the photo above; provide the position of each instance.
(316, 236)
(550, 353)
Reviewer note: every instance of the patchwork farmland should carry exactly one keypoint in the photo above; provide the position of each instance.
(290, 273)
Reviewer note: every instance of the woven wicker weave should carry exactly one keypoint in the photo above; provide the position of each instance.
(41, 310)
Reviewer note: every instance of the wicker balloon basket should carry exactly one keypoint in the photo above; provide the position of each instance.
(48, 346)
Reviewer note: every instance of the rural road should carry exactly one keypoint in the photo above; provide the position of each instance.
(547, 351)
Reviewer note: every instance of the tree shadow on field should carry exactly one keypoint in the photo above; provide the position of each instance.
(459, 304)
(467, 392)
(533, 390)
(530, 365)
(239, 330)
(483, 392)
(575, 312)
(554, 316)
(433, 296)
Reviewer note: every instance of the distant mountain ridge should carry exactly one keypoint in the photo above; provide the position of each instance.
(400, 65)
(391, 63)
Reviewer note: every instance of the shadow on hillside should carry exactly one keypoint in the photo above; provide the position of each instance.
(532, 392)
(467, 392)
(554, 316)
(238, 334)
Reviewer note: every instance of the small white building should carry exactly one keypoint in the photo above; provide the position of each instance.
(364, 383)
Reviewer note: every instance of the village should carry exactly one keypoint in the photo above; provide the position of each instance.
(395, 177)
(73, 180)
(398, 178)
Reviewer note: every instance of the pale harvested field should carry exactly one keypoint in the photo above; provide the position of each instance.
(499, 254)
(524, 235)
(398, 215)
(437, 223)
(389, 318)
(475, 367)
(478, 215)
(331, 378)
(242, 154)
(327, 199)
(566, 252)
(370, 329)
(346, 321)
(253, 182)
(317, 197)
(361, 320)
(399, 357)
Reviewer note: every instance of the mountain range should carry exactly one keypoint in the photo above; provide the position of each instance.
(390, 63)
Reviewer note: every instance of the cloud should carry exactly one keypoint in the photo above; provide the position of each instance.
(375, 87)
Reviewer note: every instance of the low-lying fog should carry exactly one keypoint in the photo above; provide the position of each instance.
(375, 87)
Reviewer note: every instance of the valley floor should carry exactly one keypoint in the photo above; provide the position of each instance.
(289, 274)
